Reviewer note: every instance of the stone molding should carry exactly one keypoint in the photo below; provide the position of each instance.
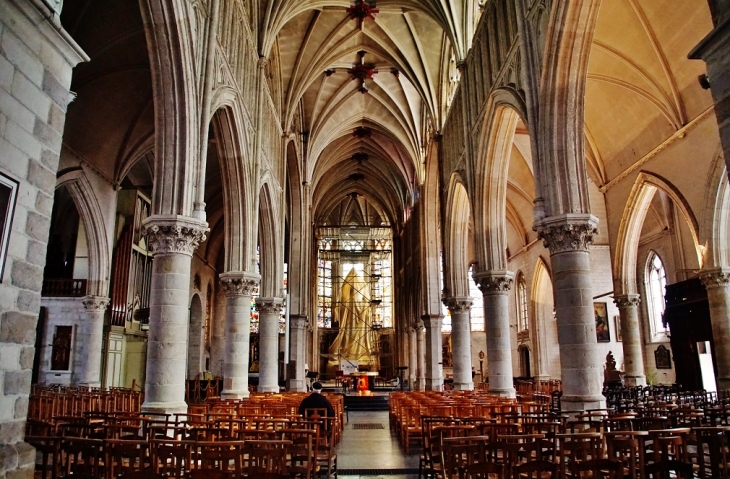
(459, 304)
(494, 282)
(95, 303)
(715, 278)
(269, 305)
(566, 233)
(263, 62)
(626, 301)
(174, 234)
(239, 283)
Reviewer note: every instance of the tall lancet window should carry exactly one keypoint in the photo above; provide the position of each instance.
(656, 282)
(523, 320)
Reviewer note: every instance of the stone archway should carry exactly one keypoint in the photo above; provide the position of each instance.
(196, 335)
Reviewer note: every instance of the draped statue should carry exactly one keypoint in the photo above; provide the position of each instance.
(356, 338)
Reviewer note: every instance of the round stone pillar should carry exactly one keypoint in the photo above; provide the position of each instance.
(297, 352)
(421, 356)
(239, 287)
(628, 308)
(434, 355)
(269, 313)
(90, 341)
(495, 287)
(461, 341)
(717, 283)
(172, 240)
(567, 237)
(413, 357)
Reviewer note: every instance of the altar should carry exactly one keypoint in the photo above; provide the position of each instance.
(364, 380)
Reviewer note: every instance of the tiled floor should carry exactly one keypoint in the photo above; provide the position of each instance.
(373, 448)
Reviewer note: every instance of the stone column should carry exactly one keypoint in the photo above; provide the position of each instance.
(239, 287)
(434, 355)
(421, 356)
(717, 282)
(461, 341)
(412, 358)
(568, 236)
(218, 335)
(89, 342)
(172, 240)
(495, 287)
(269, 313)
(297, 353)
(628, 308)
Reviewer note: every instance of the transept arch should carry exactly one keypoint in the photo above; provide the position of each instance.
(457, 239)
(97, 238)
(632, 221)
(714, 231)
(542, 311)
(196, 337)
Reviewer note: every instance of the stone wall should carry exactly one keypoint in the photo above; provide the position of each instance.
(36, 58)
(61, 312)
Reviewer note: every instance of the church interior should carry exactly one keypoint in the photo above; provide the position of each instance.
(227, 200)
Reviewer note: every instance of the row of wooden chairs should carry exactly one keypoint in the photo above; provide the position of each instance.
(448, 439)
(304, 446)
(46, 403)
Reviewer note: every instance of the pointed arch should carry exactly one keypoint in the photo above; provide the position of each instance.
(489, 204)
(269, 244)
(97, 238)
(227, 130)
(546, 359)
(632, 222)
(715, 227)
(456, 239)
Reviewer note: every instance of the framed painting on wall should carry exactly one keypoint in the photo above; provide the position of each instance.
(603, 332)
(8, 194)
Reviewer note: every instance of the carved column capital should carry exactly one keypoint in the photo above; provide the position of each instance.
(568, 232)
(626, 301)
(458, 304)
(417, 325)
(174, 234)
(715, 278)
(239, 283)
(263, 62)
(269, 305)
(95, 303)
(494, 282)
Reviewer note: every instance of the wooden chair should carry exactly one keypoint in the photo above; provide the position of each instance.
(142, 475)
(302, 453)
(458, 452)
(482, 470)
(713, 452)
(171, 458)
(264, 457)
(597, 468)
(628, 448)
(222, 456)
(535, 470)
(667, 469)
(124, 456)
(78, 455)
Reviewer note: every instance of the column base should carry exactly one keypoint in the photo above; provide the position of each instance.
(296, 385)
(581, 403)
(505, 393)
(639, 380)
(233, 394)
(165, 407)
(434, 384)
(268, 389)
(90, 385)
(463, 386)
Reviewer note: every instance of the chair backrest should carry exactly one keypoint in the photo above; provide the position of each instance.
(667, 469)
(535, 470)
(596, 469)
(482, 470)
(124, 456)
